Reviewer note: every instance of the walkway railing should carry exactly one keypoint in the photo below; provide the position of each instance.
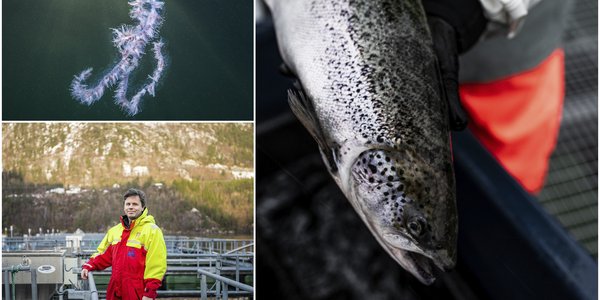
(221, 285)
(9, 280)
(225, 264)
(90, 241)
(92, 283)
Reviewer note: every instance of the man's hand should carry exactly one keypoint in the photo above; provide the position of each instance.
(445, 47)
(84, 274)
(147, 298)
(508, 12)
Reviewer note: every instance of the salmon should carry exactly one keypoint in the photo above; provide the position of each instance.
(368, 92)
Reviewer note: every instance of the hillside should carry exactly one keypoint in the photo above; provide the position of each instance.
(101, 154)
(198, 177)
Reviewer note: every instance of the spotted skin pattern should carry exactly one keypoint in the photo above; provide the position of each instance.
(369, 96)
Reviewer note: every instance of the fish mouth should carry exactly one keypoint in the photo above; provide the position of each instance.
(424, 264)
(418, 265)
(443, 259)
(425, 269)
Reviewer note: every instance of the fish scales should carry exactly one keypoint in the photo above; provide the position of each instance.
(370, 98)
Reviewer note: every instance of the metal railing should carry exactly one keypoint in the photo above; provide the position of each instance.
(92, 284)
(221, 284)
(226, 261)
(8, 274)
(85, 291)
(90, 241)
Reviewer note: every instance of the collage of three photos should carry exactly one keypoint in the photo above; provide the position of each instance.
(415, 149)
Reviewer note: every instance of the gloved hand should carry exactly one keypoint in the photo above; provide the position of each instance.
(506, 15)
(456, 25)
(446, 50)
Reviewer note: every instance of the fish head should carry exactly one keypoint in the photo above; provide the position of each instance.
(408, 206)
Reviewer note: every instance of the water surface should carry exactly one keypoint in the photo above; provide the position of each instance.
(47, 42)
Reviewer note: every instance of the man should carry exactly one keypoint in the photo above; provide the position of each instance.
(136, 251)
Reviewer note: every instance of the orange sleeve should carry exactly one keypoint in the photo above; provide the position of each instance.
(517, 118)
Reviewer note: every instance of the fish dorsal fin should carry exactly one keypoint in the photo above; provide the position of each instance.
(304, 110)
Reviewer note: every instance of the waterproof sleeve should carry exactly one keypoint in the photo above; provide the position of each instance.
(102, 259)
(156, 262)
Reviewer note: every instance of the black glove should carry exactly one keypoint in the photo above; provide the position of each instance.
(464, 16)
(455, 26)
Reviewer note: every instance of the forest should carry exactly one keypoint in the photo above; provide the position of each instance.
(199, 178)
(191, 208)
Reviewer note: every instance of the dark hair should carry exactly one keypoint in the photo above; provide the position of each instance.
(136, 192)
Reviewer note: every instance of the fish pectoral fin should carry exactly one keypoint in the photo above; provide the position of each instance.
(286, 71)
(304, 110)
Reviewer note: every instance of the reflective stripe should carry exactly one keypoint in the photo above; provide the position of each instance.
(135, 244)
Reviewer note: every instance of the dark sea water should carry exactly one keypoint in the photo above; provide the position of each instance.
(209, 46)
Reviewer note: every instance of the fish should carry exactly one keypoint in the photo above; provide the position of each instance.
(368, 91)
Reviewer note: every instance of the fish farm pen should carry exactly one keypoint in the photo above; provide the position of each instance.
(48, 267)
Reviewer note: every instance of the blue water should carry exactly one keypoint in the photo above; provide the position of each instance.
(209, 46)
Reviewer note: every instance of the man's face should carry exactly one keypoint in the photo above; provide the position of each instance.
(133, 207)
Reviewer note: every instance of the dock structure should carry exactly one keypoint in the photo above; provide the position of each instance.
(48, 267)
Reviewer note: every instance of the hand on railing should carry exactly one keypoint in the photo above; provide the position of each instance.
(84, 274)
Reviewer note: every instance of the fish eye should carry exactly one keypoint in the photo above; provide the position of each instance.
(416, 226)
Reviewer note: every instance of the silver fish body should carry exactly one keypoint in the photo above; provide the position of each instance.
(370, 99)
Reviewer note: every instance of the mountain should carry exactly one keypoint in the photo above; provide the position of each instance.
(198, 177)
(102, 154)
